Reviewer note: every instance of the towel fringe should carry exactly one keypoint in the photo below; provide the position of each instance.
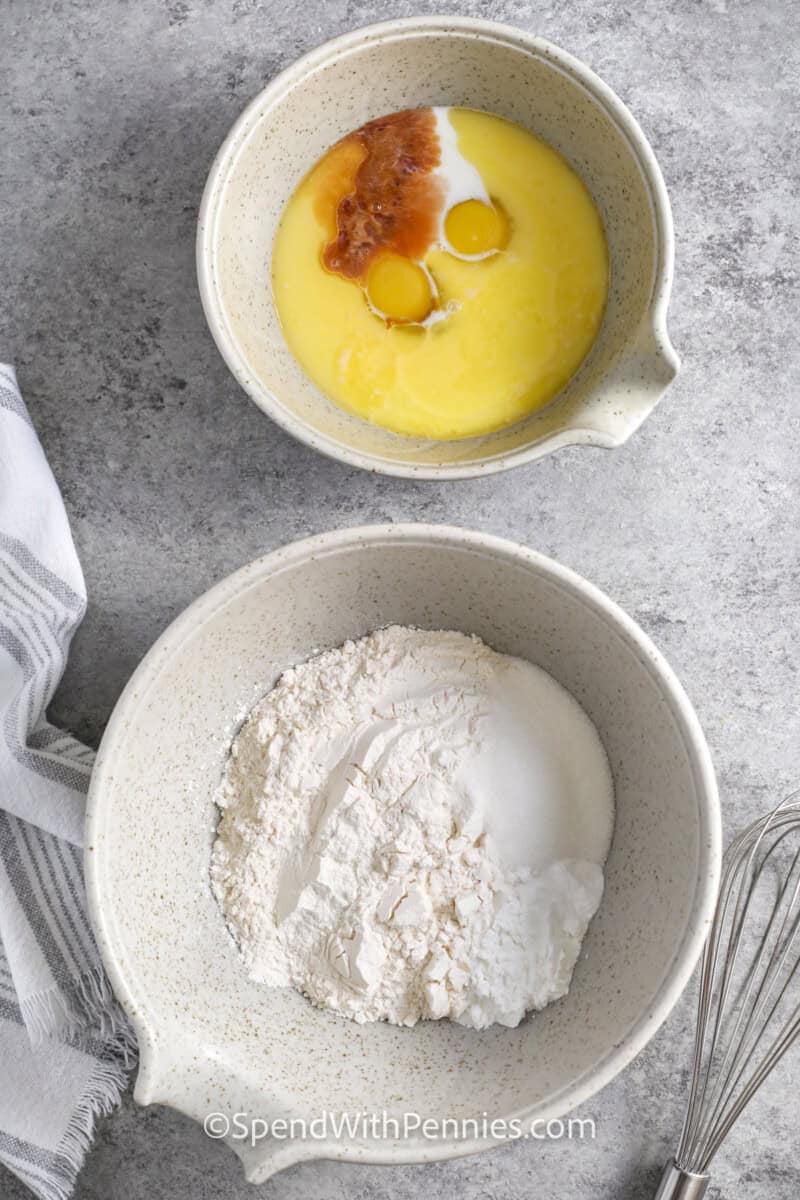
(86, 1011)
(103, 1093)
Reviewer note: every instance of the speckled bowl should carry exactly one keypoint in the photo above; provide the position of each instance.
(410, 63)
(211, 1040)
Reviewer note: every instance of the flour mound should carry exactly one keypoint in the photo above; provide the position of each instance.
(354, 858)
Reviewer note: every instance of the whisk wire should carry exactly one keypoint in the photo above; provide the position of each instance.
(750, 964)
(751, 1024)
(695, 1123)
(765, 1069)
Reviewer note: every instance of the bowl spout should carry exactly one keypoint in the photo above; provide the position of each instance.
(653, 361)
(634, 386)
(264, 1130)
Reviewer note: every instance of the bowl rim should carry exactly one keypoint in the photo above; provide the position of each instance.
(676, 975)
(389, 30)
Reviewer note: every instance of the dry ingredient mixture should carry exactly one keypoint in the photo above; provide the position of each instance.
(414, 826)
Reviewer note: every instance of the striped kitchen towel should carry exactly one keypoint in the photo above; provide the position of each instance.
(65, 1046)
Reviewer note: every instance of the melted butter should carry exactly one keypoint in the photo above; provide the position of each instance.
(511, 327)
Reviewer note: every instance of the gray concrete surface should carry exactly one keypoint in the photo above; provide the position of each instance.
(172, 477)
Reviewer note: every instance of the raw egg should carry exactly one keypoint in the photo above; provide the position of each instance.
(473, 228)
(399, 289)
(440, 272)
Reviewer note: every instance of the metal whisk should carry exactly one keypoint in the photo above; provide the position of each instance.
(748, 1012)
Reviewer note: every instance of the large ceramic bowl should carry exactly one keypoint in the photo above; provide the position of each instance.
(427, 61)
(211, 1040)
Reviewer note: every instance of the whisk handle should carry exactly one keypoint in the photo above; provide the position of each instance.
(681, 1185)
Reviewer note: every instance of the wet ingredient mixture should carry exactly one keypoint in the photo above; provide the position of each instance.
(413, 827)
(440, 272)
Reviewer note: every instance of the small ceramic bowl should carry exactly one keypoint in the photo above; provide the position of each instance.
(412, 63)
(211, 1040)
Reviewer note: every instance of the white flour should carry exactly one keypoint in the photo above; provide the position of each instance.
(414, 827)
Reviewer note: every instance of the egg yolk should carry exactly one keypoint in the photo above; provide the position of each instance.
(399, 289)
(473, 227)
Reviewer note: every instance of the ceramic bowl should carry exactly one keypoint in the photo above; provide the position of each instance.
(213, 1041)
(429, 61)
